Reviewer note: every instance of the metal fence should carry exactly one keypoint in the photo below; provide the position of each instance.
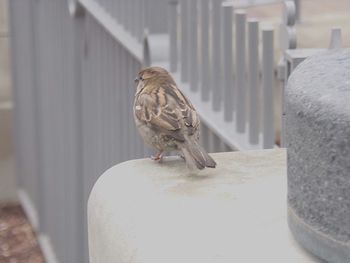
(73, 70)
(233, 95)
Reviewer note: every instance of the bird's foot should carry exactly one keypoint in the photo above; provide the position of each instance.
(158, 157)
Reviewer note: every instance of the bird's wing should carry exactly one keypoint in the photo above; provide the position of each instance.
(167, 110)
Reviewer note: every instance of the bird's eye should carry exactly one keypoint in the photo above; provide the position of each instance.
(138, 79)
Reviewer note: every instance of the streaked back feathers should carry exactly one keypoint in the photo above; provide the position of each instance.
(166, 119)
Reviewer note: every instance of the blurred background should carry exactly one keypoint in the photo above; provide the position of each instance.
(17, 239)
(66, 92)
(7, 186)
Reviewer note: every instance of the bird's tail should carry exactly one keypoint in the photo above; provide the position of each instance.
(196, 156)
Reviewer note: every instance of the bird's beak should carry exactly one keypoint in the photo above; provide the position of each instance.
(137, 80)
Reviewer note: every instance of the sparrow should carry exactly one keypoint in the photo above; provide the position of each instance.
(166, 119)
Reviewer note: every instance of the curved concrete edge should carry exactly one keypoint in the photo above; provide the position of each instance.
(317, 242)
(140, 211)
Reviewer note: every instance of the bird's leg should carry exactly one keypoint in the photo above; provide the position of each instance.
(182, 156)
(157, 157)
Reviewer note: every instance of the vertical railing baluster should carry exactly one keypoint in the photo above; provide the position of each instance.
(143, 15)
(298, 9)
(216, 143)
(137, 26)
(129, 16)
(111, 98)
(114, 11)
(228, 62)
(227, 148)
(137, 147)
(53, 109)
(136, 18)
(139, 141)
(162, 11)
(123, 108)
(204, 136)
(105, 98)
(336, 38)
(119, 89)
(99, 80)
(253, 80)
(240, 34)
(156, 16)
(113, 6)
(222, 145)
(267, 77)
(116, 98)
(139, 23)
(118, 9)
(193, 45)
(109, 7)
(129, 123)
(211, 141)
(205, 54)
(184, 41)
(132, 11)
(126, 14)
(123, 12)
(288, 40)
(216, 82)
(130, 74)
(173, 34)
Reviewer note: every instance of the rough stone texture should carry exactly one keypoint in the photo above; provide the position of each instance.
(318, 141)
(142, 211)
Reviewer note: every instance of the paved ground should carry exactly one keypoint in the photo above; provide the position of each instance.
(17, 240)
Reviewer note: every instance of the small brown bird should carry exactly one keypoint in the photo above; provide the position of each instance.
(166, 119)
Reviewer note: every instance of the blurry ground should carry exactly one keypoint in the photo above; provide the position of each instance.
(17, 240)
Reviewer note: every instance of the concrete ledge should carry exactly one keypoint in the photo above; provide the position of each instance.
(141, 211)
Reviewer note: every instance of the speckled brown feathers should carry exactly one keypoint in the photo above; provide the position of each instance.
(166, 119)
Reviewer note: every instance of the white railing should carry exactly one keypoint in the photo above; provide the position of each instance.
(234, 99)
(240, 111)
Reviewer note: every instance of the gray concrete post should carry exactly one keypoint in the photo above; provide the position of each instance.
(317, 138)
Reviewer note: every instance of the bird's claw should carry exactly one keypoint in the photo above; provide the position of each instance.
(157, 157)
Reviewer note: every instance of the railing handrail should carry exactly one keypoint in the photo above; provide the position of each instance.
(123, 36)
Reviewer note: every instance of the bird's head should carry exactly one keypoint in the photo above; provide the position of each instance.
(149, 75)
(151, 72)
